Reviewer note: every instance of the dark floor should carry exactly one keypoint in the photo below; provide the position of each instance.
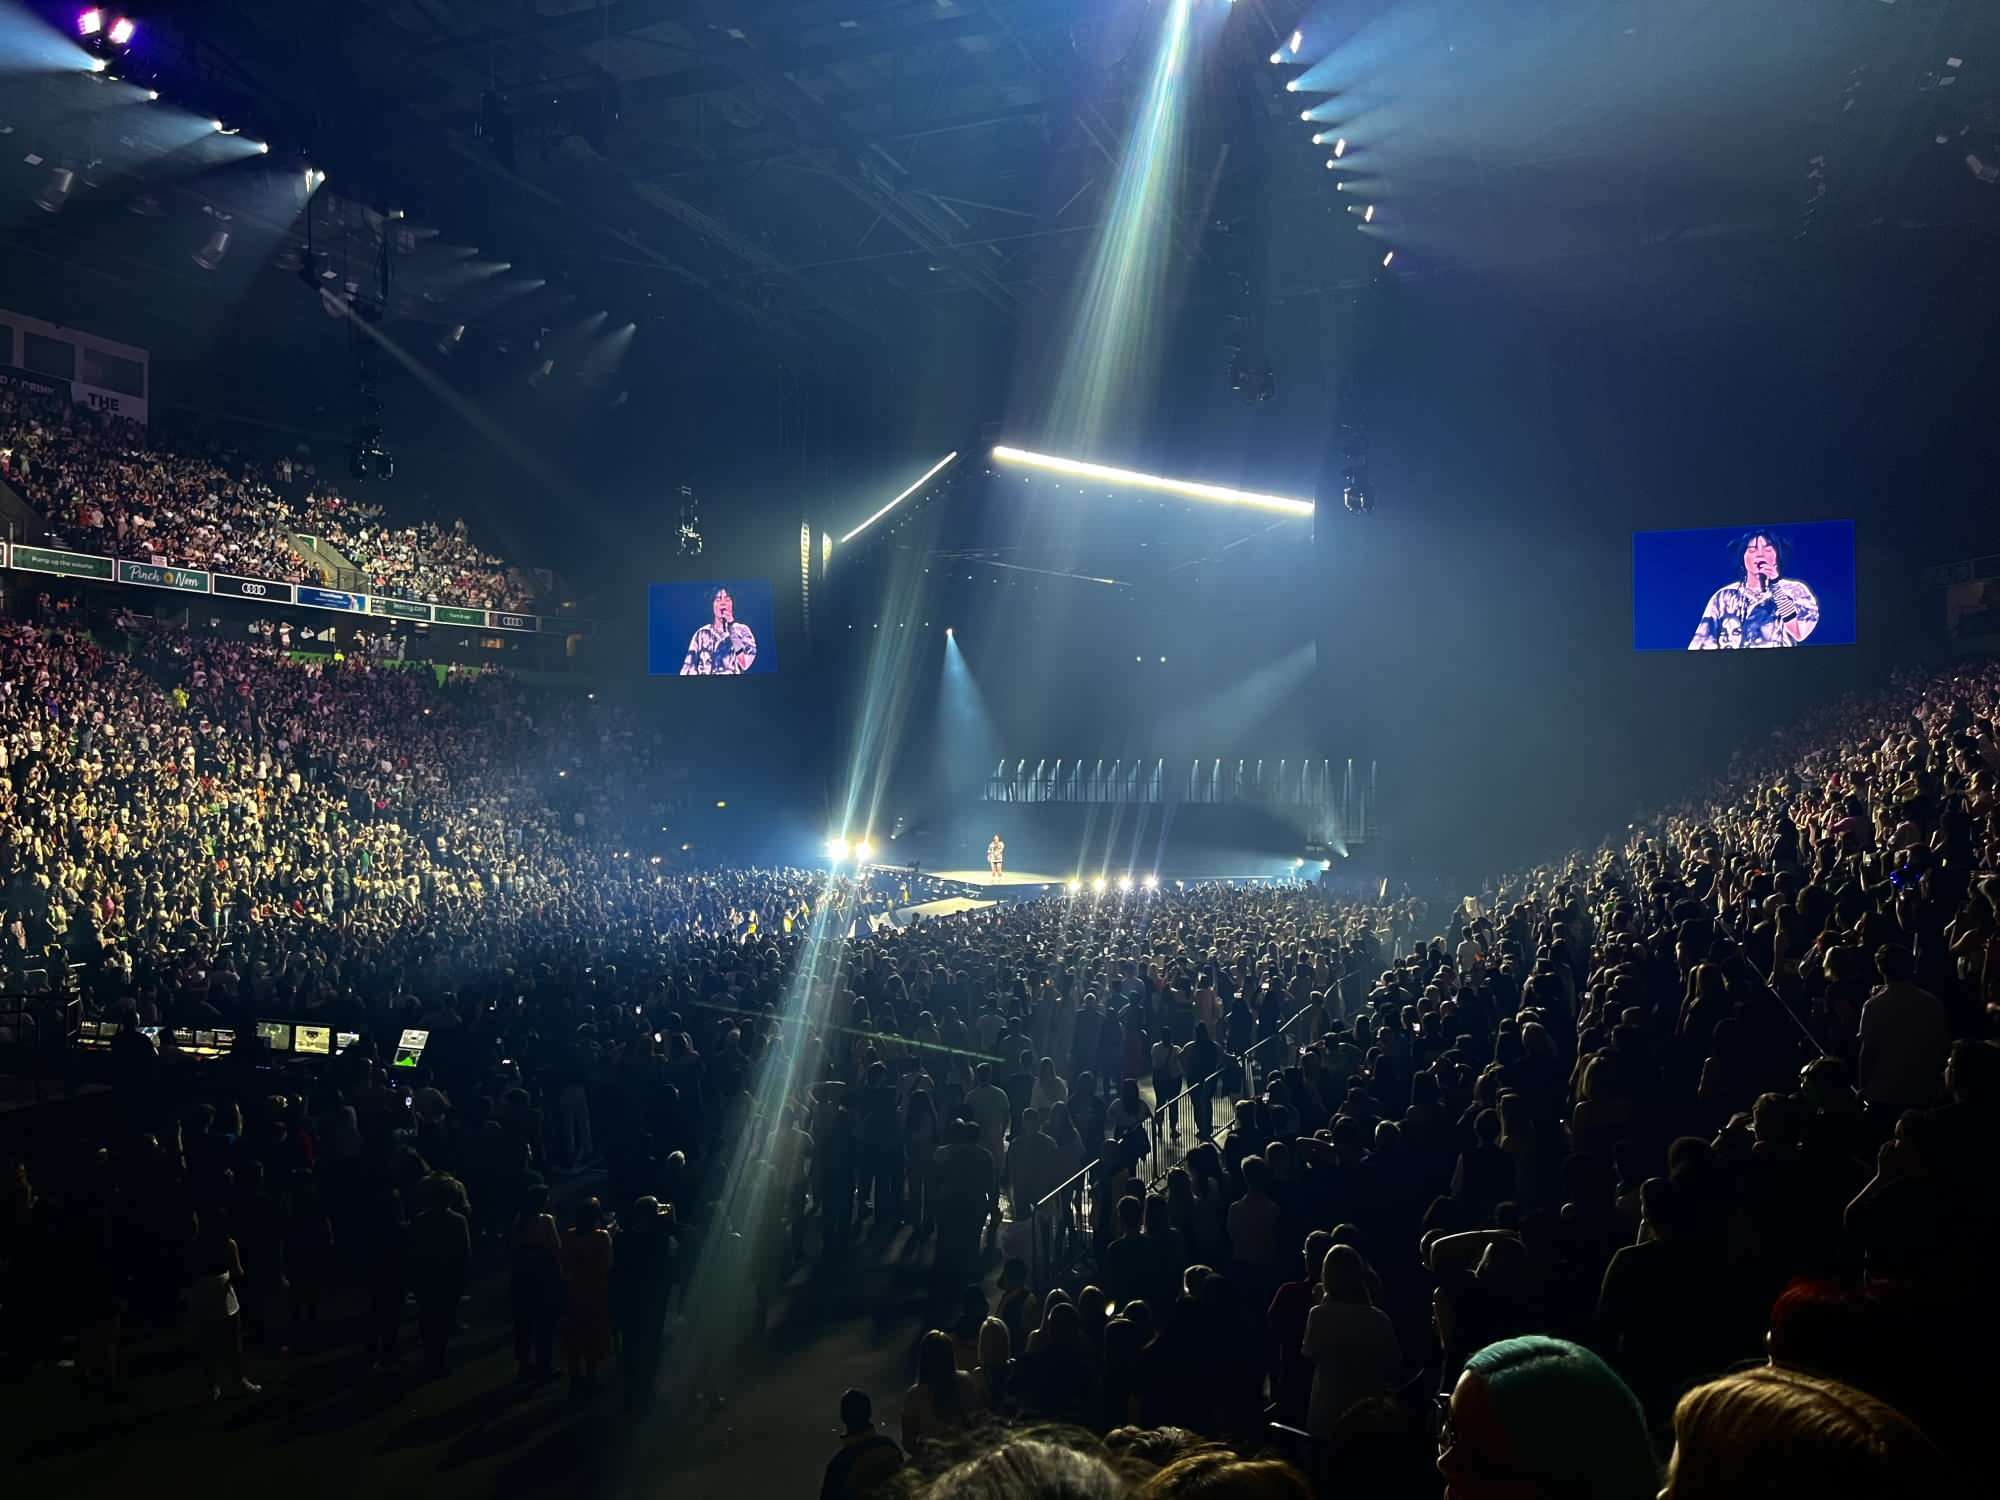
(325, 1425)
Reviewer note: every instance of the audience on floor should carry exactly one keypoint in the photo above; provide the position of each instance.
(1658, 1168)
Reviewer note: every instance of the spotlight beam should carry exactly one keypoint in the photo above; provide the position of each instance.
(1186, 488)
(935, 470)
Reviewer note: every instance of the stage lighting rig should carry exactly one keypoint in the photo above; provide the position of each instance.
(1355, 492)
(107, 38)
(689, 533)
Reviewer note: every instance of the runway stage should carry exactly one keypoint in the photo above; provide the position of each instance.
(951, 906)
(985, 880)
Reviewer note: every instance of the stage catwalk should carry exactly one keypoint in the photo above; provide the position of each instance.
(987, 880)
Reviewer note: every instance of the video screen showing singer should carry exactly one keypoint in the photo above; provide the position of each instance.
(724, 647)
(1761, 608)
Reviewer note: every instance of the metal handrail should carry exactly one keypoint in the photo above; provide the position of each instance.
(1240, 1060)
(1053, 1200)
(1056, 1197)
(1160, 1109)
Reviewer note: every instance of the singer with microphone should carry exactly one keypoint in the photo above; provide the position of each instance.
(1761, 608)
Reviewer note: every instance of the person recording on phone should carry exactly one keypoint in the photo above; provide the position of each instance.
(1761, 608)
(725, 647)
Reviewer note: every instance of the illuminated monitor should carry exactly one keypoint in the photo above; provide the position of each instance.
(313, 1041)
(410, 1048)
(277, 1035)
(716, 629)
(1744, 588)
(342, 1040)
(225, 1038)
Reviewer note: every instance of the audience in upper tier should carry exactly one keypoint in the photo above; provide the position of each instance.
(1663, 1165)
(105, 490)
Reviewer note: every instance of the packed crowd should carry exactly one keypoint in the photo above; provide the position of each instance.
(106, 490)
(438, 564)
(1675, 1147)
(1678, 1148)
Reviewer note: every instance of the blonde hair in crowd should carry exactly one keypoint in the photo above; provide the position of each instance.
(1780, 1432)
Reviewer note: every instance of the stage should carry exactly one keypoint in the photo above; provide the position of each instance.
(951, 906)
(986, 880)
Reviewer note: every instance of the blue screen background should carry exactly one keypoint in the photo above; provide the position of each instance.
(674, 611)
(1674, 572)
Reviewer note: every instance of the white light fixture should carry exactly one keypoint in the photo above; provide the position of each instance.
(1075, 886)
(1298, 41)
(864, 851)
(836, 849)
(1389, 257)
(933, 472)
(1151, 882)
(1278, 56)
(1186, 488)
(1292, 86)
(1097, 885)
(1340, 148)
(1368, 214)
(1306, 115)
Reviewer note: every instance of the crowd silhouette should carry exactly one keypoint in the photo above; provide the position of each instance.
(1675, 1148)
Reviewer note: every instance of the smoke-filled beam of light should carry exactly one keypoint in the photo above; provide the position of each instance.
(735, 1246)
(1114, 342)
(966, 738)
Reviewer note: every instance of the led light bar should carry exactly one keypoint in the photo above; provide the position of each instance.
(935, 470)
(1186, 488)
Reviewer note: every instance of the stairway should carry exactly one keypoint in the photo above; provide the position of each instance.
(334, 569)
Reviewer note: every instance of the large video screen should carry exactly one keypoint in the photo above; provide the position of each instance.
(725, 629)
(1744, 588)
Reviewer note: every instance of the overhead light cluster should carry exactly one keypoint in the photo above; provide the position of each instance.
(1298, 84)
(106, 40)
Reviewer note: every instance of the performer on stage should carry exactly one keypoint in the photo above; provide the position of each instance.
(995, 854)
(1760, 609)
(725, 647)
